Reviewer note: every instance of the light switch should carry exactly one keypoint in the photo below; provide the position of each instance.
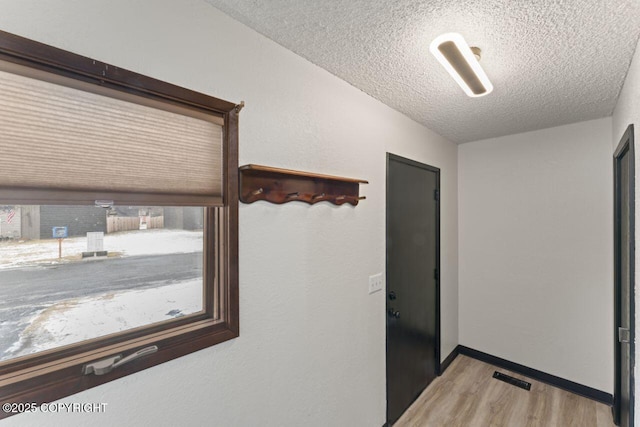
(375, 283)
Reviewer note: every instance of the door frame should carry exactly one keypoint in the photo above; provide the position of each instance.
(436, 170)
(626, 146)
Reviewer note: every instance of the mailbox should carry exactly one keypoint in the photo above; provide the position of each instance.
(60, 232)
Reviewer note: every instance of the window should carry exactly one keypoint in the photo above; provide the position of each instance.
(118, 222)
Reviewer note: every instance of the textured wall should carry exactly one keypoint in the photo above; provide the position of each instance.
(536, 248)
(628, 112)
(311, 350)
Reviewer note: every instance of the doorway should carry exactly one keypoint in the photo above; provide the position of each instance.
(624, 279)
(413, 281)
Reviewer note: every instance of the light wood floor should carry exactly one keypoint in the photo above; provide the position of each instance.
(467, 395)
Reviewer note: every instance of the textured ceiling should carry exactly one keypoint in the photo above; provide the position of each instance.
(551, 62)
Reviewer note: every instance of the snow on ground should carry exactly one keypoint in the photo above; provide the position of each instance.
(79, 319)
(127, 243)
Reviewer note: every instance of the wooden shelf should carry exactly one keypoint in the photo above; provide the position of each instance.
(279, 186)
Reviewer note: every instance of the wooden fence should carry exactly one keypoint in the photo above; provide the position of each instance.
(156, 222)
(126, 223)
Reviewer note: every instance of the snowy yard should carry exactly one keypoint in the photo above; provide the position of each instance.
(71, 321)
(129, 243)
(146, 295)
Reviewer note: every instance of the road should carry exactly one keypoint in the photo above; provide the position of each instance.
(25, 291)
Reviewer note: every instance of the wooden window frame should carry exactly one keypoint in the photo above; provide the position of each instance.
(56, 373)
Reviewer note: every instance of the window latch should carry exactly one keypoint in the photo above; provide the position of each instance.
(107, 365)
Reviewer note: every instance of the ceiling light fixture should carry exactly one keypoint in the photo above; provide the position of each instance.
(461, 61)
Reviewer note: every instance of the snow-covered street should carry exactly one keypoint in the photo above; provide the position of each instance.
(75, 320)
(149, 276)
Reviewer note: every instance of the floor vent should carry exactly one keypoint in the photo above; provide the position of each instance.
(513, 381)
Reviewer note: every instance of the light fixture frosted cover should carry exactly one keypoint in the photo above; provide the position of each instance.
(455, 55)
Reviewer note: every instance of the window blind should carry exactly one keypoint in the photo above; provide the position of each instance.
(57, 137)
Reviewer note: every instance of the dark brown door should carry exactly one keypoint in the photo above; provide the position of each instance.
(413, 317)
(624, 259)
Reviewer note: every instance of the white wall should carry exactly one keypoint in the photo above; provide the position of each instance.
(536, 250)
(312, 345)
(627, 112)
